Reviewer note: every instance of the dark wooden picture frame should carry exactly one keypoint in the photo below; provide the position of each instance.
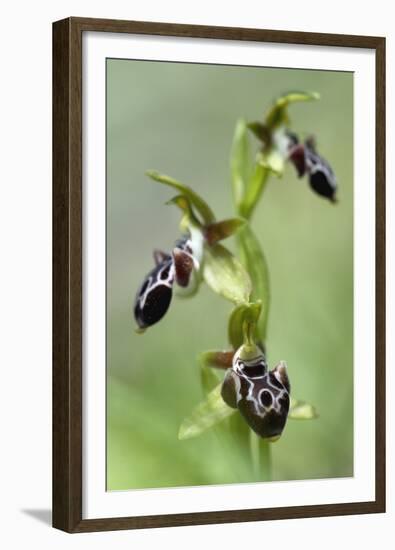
(67, 273)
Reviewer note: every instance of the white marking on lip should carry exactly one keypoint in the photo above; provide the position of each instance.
(168, 282)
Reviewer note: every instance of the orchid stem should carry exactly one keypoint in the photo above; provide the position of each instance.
(260, 457)
(255, 263)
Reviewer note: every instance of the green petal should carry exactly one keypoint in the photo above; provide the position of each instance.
(225, 275)
(218, 231)
(300, 410)
(206, 415)
(196, 200)
(278, 115)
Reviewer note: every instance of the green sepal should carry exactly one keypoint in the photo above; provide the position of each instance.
(300, 410)
(196, 200)
(218, 231)
(189, 219)
(206, 415)
(278, 113)
(225, 275)
(244, 313)
(209, 378)
(255, 263)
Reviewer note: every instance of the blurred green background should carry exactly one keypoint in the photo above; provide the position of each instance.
(179, 119)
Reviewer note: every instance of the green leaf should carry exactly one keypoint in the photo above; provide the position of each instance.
(255, 263)
(300, 410)
(206, 415)
(225, 275)
(240, 315)
(278, 115)
(240, 161)
(218, 231)
(254, 191)
(196, 200)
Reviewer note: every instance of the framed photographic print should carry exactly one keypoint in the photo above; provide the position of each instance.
(218, 274)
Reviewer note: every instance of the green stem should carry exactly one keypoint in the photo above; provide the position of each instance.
(260, 457)
(256, 265)
(246, 196)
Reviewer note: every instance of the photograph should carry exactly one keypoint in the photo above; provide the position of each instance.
(195, 224)
(229, 274)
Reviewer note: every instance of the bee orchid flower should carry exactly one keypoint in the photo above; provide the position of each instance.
(307, 161)
(182, 268)
(155, 294)
(261, 396)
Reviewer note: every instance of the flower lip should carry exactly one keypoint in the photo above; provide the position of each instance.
(154, 297)
(306, 160)
(266, 398)
(252, 370)
(155, 294)
(261, 396)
